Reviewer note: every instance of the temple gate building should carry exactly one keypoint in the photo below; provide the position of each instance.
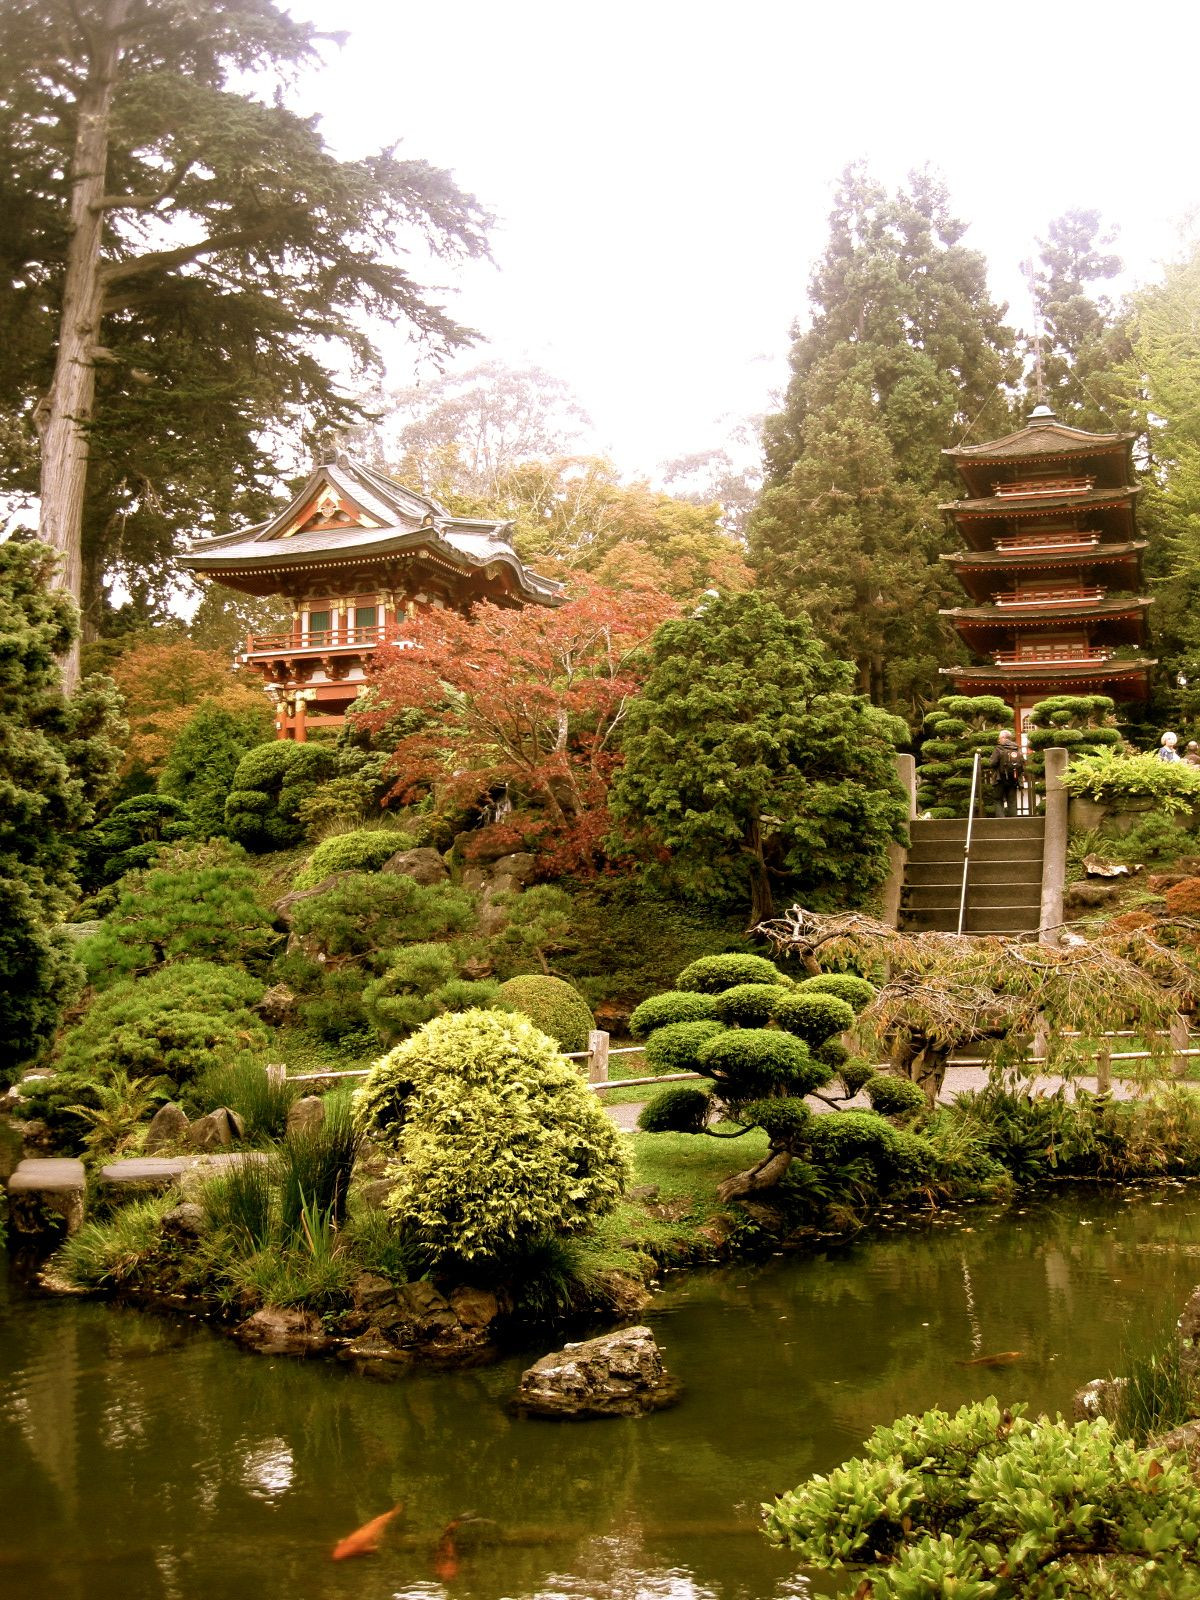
(356, 554)
(1052, 566)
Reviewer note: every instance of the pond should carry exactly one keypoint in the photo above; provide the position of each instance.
(149, 1460)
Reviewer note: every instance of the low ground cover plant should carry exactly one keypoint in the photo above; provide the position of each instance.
(361, 850)
(1114, 778)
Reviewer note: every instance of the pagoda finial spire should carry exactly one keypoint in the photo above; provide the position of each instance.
(1039, 377)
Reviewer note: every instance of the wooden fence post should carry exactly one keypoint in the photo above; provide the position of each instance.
(1104, 1067)
(276, 1074)
(1040, 1044)
(1179, 1043)
(597, 1063)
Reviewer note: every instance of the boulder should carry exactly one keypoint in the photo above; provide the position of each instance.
(617, 1375)
(492, 919)
(423, 865)
(168, 1126)
(519, 868)
(474, 1308)
(306, 1115)
(274, 1331)
(1100, 1398)
(219, 1129)
(374, 1192)
(186, 1222)
(278, 1006)
(1185, 1437)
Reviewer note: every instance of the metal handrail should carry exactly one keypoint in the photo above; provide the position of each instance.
(962, 899)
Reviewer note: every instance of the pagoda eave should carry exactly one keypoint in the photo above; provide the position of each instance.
(1039, 614)
(1042, 505)
(1032, 559)
(1119, 680)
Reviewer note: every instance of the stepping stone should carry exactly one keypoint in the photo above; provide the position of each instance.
(44, 1193)
(145, 1174)
(201, 1168)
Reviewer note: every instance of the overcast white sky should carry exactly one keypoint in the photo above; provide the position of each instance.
(662, 171)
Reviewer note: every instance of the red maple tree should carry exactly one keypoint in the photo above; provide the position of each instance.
(525, 703)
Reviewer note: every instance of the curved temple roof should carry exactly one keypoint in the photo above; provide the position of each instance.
(369, 516)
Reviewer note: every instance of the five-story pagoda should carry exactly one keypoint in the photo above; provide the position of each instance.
(1052, 566)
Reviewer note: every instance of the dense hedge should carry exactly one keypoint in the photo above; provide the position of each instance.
(674, 1005)
(677, 1046)
(813, 1016)
(754, 1063)
(677, 1109)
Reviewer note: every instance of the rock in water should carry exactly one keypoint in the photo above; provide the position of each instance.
(168, 1126)
(617, 1375)
(274, 1331)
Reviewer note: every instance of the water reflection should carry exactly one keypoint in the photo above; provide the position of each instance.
(152, 1463)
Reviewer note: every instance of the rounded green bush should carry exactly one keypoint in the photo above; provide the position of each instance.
(750, 1005)
(678, 1109)
(676, 1046)
(855, 1073)
(894, 1097)
(673, 1005)
(754, 1063)
(847, 986)
(814, 1017)
(897, 1157)
(785, 1122)
(551, 1005)
(499, 1142)
(713, 974)
(364, 850)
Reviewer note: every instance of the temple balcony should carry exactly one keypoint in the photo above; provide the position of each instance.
(343, 641)
(1060, 540)
(1028, 488)
(1061, 654)
(1032, 596)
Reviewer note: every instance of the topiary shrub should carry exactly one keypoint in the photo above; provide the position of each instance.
(847, 986)
(750, 1005)
(204, 758)
(368, 913)
(551, 1005)
(500, 1144)
(418, 983)
(955, 729)
(674, 1005)
(855, 1073)
(754, 1063)
(894, 1097)
(130, 837)
(179, 1022)
(713, 974)
(269, 784)
(785, 1122)
(814, 1016)
(364, 850)
(676, 1047)
(676, 1110)
(199, 903)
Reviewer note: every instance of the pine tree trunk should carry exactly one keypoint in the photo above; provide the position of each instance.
(762, 903)
(68, 408)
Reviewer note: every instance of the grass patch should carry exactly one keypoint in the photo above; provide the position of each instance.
(1158, 1395)
(111, 1252)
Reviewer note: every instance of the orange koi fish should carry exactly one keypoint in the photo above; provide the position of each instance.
(1005, 1358)
(364, 1541)
(445, 1557)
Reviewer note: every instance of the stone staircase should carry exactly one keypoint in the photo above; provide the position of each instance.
(1004, 883)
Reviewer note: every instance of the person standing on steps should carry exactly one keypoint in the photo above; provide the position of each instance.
(1006, 774)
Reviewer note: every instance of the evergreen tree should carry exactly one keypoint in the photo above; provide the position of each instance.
(1084, 335)
(176, 250)
(747, 758)
(58, 757)
(905, 352)
(203, 760)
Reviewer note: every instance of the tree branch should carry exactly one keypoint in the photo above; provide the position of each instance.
(164, 260)
(146, 202)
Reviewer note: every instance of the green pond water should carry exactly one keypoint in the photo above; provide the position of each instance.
(149, 1460)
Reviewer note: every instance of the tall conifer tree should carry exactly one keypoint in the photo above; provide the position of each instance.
(905, 353)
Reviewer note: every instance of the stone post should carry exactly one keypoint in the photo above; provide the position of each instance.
(597, 1062)
(906, 770)
(1054, 848)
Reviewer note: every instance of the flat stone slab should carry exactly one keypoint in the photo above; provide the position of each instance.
(46, 1175)
(145, 1172)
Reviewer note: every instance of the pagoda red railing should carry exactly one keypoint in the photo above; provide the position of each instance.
(1025, 487)
(344, 638)
(1063, 653)
(1051, 597)
(1061, 540)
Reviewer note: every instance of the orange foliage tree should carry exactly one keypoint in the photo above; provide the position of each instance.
(529, 702)
(164, 682)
